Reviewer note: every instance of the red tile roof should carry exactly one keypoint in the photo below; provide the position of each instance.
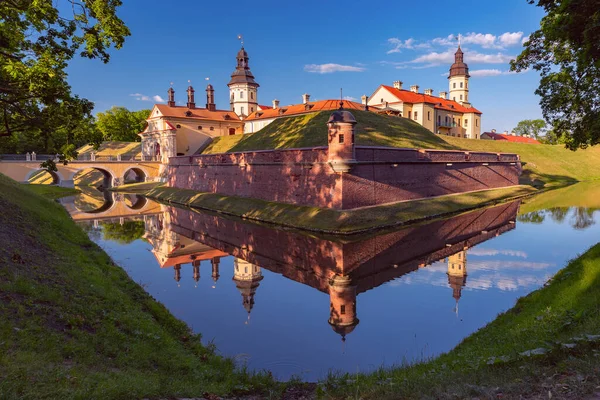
(511, 138)
(196, 113)
(297, 109)
(265, 107)
(407, 96)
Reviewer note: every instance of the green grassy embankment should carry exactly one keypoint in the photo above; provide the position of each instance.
(327, 220)
(50, 191)
(74, 325)
(543, 165)
(546, 346)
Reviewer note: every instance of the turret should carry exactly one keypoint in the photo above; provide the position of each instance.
(243, 89)
(196, 266)
(341, 151)
(246, 277)
(190, 93)
(342, 306)
(171, 94)
(210, 98)
(457, 274)
(215, 268)
(459, 78)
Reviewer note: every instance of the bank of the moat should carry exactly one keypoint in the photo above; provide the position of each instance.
(79, 326)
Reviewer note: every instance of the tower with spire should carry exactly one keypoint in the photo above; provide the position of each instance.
(342, 305)
(457, 274)
(246, 277)
(243, 89)
(459, 79)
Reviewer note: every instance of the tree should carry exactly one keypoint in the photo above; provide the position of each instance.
(120, 124)
(566, 52)
(530, 127)
(36, 43)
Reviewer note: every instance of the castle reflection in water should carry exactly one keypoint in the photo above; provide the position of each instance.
(341, 267)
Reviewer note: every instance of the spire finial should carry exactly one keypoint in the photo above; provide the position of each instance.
(458, 38)
(241, 39)
(341, 99)
(171, 83)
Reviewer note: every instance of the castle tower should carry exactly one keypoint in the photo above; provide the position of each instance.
(243, 90)
(459, 79)
(191, 103)
(341, 151)
(246, 277)
(196, 266)
(457, 274)
(342, 306)
(177, 276)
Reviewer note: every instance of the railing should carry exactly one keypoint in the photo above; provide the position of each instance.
(82, 158)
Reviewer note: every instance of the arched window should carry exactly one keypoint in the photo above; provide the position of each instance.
(461, 96)
(200, 127)
(241, 110)
(454, 85)
(252, 95)
(178, 126)
(461, 85)
(241, 95)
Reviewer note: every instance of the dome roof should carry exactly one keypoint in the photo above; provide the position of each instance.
(342, 116)
(459, 67)
(242, 73)
(344, 329)
(242, 53)
(209, 87)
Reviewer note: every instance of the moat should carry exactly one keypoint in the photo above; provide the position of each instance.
(302, 306)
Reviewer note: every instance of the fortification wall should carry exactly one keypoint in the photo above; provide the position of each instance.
(380, 175)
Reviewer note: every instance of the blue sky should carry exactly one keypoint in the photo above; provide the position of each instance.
(316, 47)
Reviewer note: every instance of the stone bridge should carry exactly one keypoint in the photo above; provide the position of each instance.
(114, 169)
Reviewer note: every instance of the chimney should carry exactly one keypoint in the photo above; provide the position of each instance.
(171, 102)
(414, 88)
(365, 100)
(398, 85)
(275, 104)
(443, 95)
(190, 93)
(428, 92)
(210, 98)
(305, 98)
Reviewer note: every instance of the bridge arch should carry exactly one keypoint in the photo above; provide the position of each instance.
(109, 176)
(56, 176)
(135, 174)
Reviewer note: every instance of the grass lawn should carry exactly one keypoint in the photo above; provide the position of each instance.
(328, 220)
(74, 325)
(50, 191)
(544, 165)
(546, 346)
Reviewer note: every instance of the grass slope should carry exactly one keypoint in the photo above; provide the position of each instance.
(50, 192)
(310, 130)
(547, 346)
(543, 164)
(74, 325)
(327, 220)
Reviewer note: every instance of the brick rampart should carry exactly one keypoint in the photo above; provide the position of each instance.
(379, 175)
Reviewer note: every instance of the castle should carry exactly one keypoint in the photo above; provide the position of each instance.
(181, 130)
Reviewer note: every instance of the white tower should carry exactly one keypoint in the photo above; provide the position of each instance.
(459, 79)
(243, 90)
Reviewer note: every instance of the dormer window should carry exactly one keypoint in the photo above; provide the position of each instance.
(188, 113)
(259, 113)
(177, 126)
(199, 127)
(212, 128)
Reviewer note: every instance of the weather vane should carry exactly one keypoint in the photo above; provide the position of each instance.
(241, 39)
(458, 38)
(341, 99)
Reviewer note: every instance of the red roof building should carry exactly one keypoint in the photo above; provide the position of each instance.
(508, 138)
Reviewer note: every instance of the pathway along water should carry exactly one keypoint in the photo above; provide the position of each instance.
(302, 306)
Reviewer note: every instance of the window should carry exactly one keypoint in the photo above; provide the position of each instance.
(199, 127)
(381, 100)
(245, 270)
(212, 128)
(454, 98)
(251, 109)
(439, 119)
(343, 309)
(461, 85)
(341, 138)
(428, 115)
(466, 122)
(241, 95)
(409, 116)
(252, 95)
(454, 87)
(177, 126)
(446, 120)
(241, 110)
(461, 97)
(416, 115)
(476, 122)
(459, 121)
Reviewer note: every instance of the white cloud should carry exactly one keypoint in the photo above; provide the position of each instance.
(329, 68)
(350, 98)
(485, 40)
(479, 73)
(143, 97)
(479, 251)
(510, 39)
(524, 40)
(447, 57)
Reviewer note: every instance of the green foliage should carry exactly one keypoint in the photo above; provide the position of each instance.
(124, 233)
(120, 124)
(37, 41)
(530, 127)
(566, 52)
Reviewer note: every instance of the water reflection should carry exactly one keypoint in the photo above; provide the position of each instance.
(409, 282)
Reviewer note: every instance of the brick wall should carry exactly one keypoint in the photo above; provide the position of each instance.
(381, 175)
